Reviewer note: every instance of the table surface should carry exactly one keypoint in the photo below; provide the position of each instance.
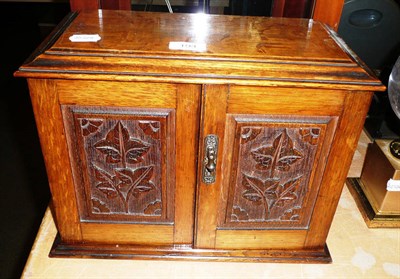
(357, 252)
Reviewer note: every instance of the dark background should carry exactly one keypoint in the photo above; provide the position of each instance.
(23, 183)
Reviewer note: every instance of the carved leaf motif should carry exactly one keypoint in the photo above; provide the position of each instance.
(153, 208)
(310, 135)
(286, 192)
(135, 150)
(106, 184)
(270, 192)
(256, 189)
(124, 179)
(118, 146)
(249, 133)
(142, 181)
(285, 162)
(264, 157)
(125, 183)
(90, 126)
(291, 214)
(102, 175)
(150, 128)
(280, 156)
(134, 181)
(107, 189)
(239, 214)
(99, 207)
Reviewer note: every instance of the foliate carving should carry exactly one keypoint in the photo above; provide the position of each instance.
(273, 173)
(120, 161)
(90, 126)
(123, 166)
(239, 214)
(120, 175)
(153, 208)
(99, 206)
(292, 214)
(124, 184)
(278, 156)
(270, 193)
(119, 147)
(150, 128)
(249, 133)
(310, 135)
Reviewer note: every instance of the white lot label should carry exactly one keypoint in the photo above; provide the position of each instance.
(393, 185)
(85, 38)
(187, 46)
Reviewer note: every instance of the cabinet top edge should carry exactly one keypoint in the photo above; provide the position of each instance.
(133, 42)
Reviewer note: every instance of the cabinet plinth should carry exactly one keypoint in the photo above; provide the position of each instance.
(237, 151)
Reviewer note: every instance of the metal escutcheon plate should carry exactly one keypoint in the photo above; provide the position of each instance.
(210, 158)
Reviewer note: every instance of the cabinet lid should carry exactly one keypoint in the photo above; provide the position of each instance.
(198, 48)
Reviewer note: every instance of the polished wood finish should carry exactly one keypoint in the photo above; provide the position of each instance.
(261, 50)
(327, 11)
(337, 166)
(187, 253)
(128, 120)
(48, 118)
(188, 116)
(213, 122)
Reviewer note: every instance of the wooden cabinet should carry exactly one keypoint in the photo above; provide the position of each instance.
(235, 147)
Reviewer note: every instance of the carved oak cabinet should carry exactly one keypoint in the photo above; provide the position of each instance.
(188, 136)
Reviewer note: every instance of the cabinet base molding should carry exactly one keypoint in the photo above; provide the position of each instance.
(372, 218)
(185, 252)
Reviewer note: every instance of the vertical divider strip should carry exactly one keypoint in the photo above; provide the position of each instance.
(212, 122)
(187, 134)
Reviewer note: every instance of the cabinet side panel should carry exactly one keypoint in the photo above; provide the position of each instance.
(350, 125)
(55, 151)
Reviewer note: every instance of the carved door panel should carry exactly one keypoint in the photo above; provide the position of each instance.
(123, 160)
(270, 163)
(122, 166)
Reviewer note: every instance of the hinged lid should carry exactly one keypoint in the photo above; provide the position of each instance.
(199, 48)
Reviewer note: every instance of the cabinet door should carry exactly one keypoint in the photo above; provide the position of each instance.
(273, 147)
(131, 149)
